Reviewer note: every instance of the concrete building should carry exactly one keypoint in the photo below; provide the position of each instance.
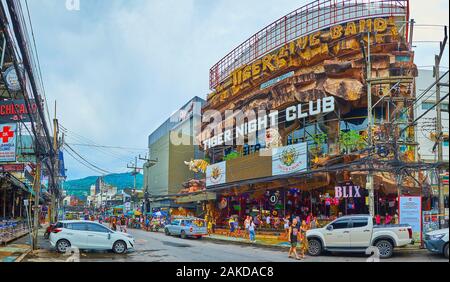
(427, 125)
(166, 175)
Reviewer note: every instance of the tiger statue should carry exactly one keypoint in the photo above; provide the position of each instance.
(197, 165)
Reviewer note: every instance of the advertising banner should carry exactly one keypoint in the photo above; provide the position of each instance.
(410, 212)
(289, 159)
(15, 110)
(8, 142)
(12, 168)
(216, 174)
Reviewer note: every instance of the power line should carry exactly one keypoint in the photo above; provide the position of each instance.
(91, 164)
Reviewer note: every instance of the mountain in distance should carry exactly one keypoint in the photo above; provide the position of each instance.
(82, 187)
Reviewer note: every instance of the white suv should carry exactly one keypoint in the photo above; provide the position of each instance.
(89, 235)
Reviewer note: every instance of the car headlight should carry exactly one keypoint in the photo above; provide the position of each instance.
(129, 236)
(437, 237)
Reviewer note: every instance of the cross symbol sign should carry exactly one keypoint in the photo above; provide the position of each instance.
(6, 134)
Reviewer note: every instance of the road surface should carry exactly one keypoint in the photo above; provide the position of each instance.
(157, 247)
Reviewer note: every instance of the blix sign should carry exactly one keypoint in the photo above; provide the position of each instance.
(347, 191)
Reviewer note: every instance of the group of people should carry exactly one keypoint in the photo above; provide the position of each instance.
(121, 223)
(297, 232)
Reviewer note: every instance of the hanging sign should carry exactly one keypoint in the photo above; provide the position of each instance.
(8, 142)
(289, 159)
(11, 79)
(216, 174)
(16, 110)
(347, 190)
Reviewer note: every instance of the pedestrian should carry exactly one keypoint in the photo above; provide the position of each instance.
(303, 239)
(286, 225)
(388, 219)
(293, 238)
(114, 224)
(231, 226)
(314, 223)
(268, 220)
(251, 230)
(247, 223)
(378, 219)
(147, 223)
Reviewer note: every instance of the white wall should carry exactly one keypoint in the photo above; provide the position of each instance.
(426, 125)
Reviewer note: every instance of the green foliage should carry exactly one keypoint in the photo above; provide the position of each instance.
(351, 140)
(231, 156)
(82, 186)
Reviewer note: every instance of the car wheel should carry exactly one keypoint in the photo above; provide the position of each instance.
(62, 246)
(446, 251)
(314, 247)
(167, 232)
(183, 234)
(119, 247)
(385, 247)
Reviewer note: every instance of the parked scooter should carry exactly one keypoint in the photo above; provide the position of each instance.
(49, 230)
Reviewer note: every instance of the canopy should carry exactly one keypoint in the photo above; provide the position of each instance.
(160, 213)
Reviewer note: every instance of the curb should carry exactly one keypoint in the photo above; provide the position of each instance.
(402, 250)
(22, 256)
(247, 243)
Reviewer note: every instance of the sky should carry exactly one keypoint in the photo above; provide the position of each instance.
(118, 68)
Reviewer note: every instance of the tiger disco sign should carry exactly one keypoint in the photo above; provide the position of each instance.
(8, 142)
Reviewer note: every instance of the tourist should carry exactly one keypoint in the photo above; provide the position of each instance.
(247, 224)
(378, 219)
(251, 230)
(286, 225)
(314, 223)
(303, 239)
(268, 221)
(231, 226)
(293, 238)
(387, 219)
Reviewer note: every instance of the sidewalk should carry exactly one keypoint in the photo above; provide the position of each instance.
(18, 249)
(266, 241)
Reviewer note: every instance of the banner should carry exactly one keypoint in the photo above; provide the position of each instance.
(15, 110)
(216, 174)
(410, 212)
(12, 168)
(8, 142)
(289, 159)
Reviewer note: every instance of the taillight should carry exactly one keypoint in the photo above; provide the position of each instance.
(410, 233)
(56, 230)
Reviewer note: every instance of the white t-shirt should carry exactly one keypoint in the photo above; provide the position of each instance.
(268, 220)
(251, 227)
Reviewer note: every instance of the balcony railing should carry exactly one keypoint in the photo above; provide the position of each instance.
(310, 18)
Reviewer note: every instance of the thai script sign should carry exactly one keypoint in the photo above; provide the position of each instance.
(8, 142)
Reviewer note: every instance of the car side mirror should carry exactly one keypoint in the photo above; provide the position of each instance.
(330, 227)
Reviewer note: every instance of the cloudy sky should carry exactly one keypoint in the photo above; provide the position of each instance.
(119, 68)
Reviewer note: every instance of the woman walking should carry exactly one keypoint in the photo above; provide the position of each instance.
(251, 230)
(303, 239)
(293, 238)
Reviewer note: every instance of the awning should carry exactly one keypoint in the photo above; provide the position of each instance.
(206, 196)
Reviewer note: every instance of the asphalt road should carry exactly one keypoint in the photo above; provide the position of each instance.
(157, 247)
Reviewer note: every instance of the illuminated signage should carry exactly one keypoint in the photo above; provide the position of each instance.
(305, 51)
(15, 110)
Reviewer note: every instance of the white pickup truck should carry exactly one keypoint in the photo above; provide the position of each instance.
(356, 233)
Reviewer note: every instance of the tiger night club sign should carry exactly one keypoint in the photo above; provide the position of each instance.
(263, 122)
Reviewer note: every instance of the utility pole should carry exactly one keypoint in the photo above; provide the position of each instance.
(437, 61)
(369, 183)
(148, 163)
(135, 171)
(37, 191)
(53, 213)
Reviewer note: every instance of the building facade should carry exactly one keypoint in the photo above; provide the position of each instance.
(169, 147)
(296, 109)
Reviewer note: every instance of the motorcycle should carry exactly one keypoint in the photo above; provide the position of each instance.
(49, 230)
